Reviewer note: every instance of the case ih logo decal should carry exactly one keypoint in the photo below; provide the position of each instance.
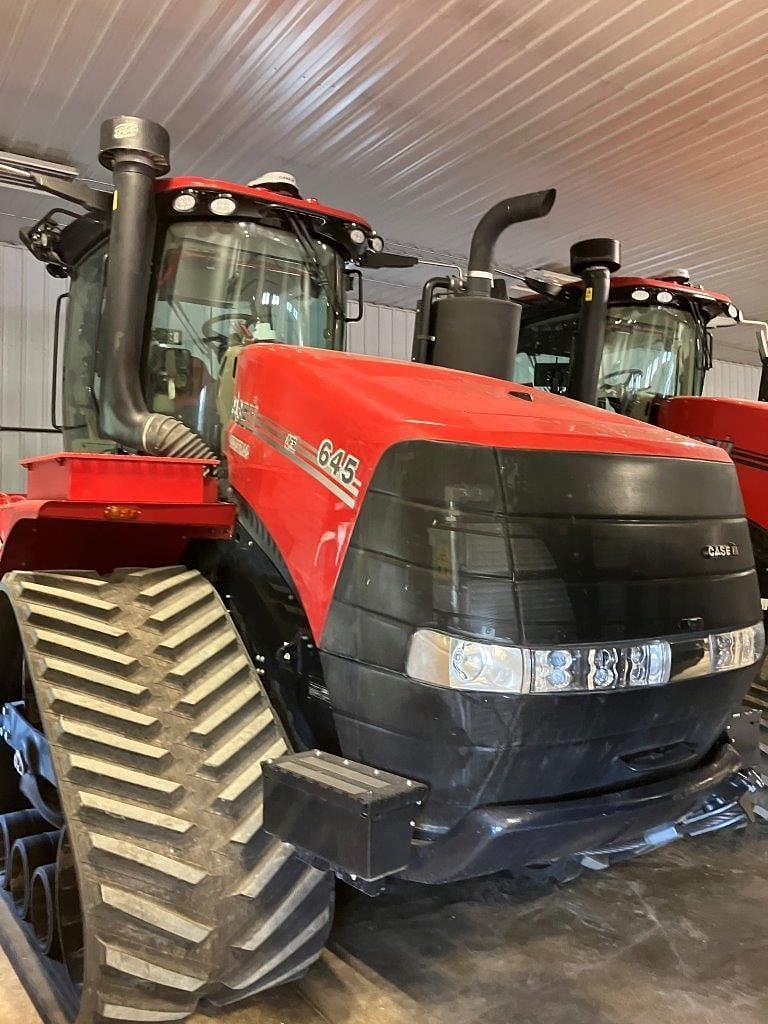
(720, 550)
(334, 468)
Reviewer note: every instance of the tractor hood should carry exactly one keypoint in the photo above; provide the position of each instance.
(384, 401)
(311, 427)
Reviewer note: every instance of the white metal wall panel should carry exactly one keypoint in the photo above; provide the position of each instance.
(732, 380)
(383, 331)
(27, 298)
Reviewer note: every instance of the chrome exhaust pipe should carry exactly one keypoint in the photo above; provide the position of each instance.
(27, 855)
(42, 911)
(14, 826)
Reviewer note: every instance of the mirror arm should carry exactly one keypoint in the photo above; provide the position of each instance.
(762, 337)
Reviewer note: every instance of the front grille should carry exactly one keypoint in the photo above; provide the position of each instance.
(537, 547)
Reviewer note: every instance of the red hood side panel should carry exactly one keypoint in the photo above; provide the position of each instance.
(739, 428)
(312, 425)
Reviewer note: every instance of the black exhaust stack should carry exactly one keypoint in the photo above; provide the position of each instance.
(476, 327)
(137, 152)
(594, 260)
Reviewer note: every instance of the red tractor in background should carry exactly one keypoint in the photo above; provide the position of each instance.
(657, 352)
(379, 620)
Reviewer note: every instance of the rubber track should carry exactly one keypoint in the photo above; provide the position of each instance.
(158, 724)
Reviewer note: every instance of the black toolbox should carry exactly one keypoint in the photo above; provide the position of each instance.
(357, 819)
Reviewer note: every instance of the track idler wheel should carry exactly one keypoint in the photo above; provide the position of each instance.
(13, 827)
(42, 911)
(27, 855)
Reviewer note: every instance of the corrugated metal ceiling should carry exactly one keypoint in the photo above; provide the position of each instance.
(648, 116)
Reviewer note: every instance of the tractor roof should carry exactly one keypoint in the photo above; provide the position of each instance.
(311, 206)
(693, 291)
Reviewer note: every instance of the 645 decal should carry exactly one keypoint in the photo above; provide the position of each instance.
(338, 463)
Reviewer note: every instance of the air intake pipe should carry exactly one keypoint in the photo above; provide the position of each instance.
(594, 260)
(476, 328)
(136, 151)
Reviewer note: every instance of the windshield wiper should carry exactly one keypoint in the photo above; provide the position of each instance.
(316, 272)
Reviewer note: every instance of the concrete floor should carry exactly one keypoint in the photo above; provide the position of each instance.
(679, 936)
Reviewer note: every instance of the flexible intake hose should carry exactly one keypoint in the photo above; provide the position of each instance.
(504, 214)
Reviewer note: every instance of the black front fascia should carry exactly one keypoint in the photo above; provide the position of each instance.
(534, 548)
(540, 548)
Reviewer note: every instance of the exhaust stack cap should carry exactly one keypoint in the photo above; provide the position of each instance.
(596, 252)
(132, 136)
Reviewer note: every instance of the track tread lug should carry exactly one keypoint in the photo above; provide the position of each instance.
(72, 729)
(220, 757)
(122, 810)
(221, 714)
(111, 710)
(153, 913)
(109, 771)
(125, 962)
(231, 670)
(160, 863)
(56, 669)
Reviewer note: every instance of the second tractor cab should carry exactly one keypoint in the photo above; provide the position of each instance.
(658, 340)
(657, 351)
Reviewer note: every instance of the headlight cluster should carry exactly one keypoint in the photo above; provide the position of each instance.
(464, 664)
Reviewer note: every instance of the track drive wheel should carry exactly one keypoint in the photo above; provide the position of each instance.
(157, 725)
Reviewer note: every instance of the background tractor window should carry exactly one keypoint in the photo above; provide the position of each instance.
(647, 349)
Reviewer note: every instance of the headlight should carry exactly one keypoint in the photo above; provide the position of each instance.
(736, 649)
(465, 664)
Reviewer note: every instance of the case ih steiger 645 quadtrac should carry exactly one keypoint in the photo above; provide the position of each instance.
(657, 351)
(418, 623)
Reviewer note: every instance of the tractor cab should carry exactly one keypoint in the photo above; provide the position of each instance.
(231, 266)
(658, 341)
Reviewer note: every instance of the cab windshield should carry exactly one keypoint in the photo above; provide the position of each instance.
(648, 349)
(221, 286)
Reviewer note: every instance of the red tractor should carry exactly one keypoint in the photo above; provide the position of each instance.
(657, 351)
(378, 620)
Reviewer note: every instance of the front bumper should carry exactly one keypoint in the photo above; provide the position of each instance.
(497, 838)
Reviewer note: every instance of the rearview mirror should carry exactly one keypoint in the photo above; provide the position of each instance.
(762, 342)
(761, 334)
(380, 260)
